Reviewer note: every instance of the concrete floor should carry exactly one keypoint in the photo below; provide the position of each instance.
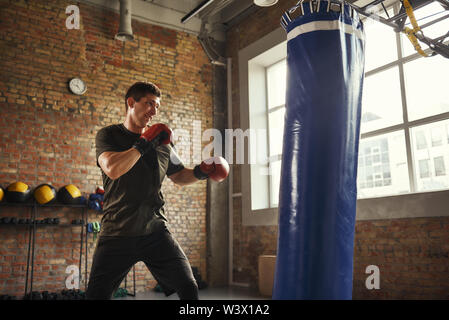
(223, 293)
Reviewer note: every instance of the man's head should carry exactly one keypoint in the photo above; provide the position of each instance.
(142, 103)
(141, 89)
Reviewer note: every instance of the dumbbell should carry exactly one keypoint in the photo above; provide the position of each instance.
(36, 295)
(45, 295)
(5, 220)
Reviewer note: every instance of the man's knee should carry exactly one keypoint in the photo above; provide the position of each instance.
(188, 290)
(99, 292)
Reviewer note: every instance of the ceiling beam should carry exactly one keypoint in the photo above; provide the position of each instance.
(151, 13)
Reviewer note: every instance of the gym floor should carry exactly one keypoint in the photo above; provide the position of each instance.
(223, 293)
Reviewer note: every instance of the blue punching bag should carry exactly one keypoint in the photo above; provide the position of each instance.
(318, 192)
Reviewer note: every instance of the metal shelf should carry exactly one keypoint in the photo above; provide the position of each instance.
(32, 235)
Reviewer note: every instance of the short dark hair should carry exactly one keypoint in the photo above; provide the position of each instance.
(140, 89)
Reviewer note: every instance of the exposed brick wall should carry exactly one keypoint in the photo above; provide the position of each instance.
(48, 134)
(412, 254)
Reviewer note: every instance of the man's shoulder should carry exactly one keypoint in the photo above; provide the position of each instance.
(109, 129)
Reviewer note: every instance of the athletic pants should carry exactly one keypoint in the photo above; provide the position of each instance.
(161, 253)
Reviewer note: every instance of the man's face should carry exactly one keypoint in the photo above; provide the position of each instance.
(144, 110)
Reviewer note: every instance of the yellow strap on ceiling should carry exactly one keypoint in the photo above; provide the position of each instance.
(411, 33)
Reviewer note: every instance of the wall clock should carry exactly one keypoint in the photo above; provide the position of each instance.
(77, 86)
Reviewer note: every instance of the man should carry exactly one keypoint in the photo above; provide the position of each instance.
(134, 159)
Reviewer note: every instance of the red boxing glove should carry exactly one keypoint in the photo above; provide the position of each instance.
(216, 168)
(153, 137)
(158, 131)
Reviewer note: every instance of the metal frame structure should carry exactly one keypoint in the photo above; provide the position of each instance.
(371, 9)
(397, 22)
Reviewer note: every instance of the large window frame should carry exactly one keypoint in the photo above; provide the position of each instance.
(407, 125)
(253, 61)
(412, 204)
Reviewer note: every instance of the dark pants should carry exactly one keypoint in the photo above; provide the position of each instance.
(161, 253)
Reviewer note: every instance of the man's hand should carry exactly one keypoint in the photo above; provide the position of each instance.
(153, 137)
(216, 168)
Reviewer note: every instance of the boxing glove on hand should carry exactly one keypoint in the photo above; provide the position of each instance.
(153, 137)
(216, 168)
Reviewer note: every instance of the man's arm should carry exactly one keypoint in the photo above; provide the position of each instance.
(116, 164)
(216, 168)
(183, 177)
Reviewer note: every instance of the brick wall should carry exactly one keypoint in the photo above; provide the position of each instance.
(48, 134)
(412, 254)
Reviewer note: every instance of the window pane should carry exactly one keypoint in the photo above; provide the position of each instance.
(424, 170)
(380, 47)
(426, 87)
(447, 132)
(431, 161)
(276, 130)
(276, 82)
(381, 102)
(386, 173)
(275, 183)
(423, 15)
(440, 169)
(421, 142)
(437, 136)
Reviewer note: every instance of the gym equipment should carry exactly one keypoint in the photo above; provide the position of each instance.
(99, 190)
(69, 194)
(94, 227)
(5, 220)
(318, 191)
(121, 292)
(18, 192)
(34, 224)
(45, 194)
(96, 201)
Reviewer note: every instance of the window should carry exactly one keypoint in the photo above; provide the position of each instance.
(424, 171)
(432, 175)
(262, 110)
(437, 136)
(382, 167)
(276, 87)
(420, 139)
(405, 111)
(439, 166)
(404, 143)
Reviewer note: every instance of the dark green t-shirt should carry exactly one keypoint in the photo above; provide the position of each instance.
(133, 203)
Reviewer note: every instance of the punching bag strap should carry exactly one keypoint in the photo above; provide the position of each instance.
(286, 17)
(311, 7)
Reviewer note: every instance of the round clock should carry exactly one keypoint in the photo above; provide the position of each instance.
(77, 86)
